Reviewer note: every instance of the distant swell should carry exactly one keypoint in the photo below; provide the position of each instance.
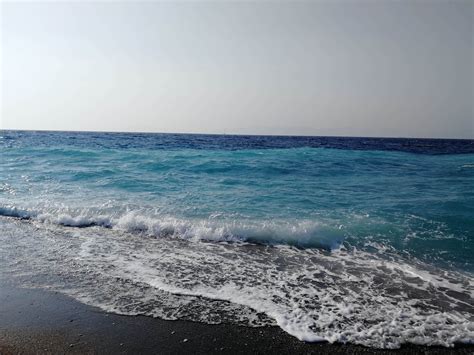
(304, 233)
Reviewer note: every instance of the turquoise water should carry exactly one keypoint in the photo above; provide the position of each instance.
(402, 209)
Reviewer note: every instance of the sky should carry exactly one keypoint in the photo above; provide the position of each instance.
(347, 68)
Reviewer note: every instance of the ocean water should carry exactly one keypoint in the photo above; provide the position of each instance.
(361, 240)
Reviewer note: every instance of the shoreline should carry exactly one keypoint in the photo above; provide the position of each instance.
(46, 322)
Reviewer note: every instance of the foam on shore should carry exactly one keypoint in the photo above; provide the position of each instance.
(347, 295)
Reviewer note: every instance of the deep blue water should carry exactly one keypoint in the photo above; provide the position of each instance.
(396, 205)
(232, 142)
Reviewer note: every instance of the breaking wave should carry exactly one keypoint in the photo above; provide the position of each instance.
(302, 233)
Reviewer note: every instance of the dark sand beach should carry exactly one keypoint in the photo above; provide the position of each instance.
(35, 321)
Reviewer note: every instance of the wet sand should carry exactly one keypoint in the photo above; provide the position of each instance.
(44, 322)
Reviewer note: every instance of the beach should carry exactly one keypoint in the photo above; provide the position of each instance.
(242, 177)
(36, 321)
(295, 237)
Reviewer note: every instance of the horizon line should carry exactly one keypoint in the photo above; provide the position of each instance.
(228, 134)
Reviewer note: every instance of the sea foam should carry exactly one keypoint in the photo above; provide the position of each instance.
(347, 295)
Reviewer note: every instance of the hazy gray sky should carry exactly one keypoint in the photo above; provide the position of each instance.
(371, 68)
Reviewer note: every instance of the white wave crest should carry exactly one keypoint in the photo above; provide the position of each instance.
(304, 233)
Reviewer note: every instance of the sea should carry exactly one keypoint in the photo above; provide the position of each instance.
(351, 240)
